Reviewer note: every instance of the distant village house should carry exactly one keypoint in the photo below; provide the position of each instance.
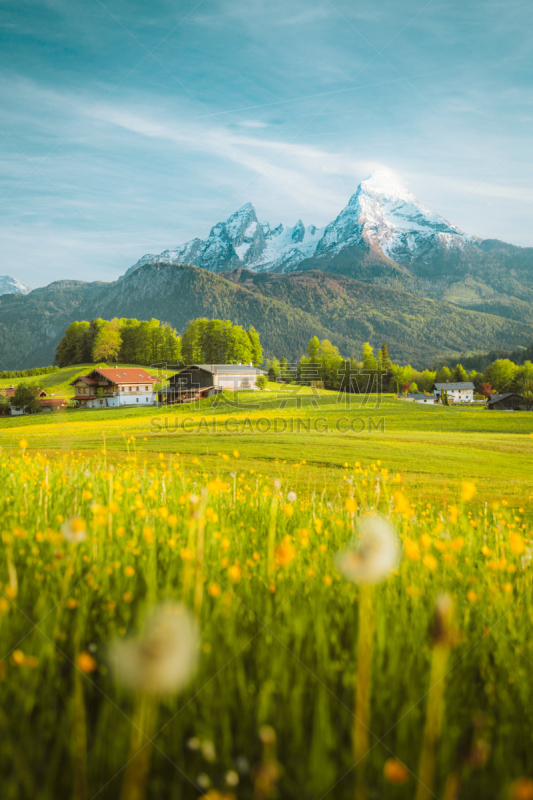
(421, 398)
(462, 392)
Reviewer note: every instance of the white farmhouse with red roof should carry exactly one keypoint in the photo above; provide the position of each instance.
(111, 387)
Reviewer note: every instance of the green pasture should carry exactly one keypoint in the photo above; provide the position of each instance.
(433, 447)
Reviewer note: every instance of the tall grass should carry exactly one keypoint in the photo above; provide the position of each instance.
(279, 630)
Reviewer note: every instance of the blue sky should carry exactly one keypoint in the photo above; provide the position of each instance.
(129, 127)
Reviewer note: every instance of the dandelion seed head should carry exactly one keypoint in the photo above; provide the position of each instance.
(193, 743)
(232, 778)
(203, 781)
(373, 555)
(291, 497)
(163, 658)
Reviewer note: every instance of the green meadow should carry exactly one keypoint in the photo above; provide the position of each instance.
(434, 447)
(327, 663)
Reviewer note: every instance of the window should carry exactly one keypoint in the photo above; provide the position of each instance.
(137, 399)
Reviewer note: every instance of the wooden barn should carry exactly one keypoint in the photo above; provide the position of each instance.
(510, 401)
(197, 381)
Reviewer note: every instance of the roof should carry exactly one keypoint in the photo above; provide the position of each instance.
(464, 385)
(10, 392)
(118, 376)
(53, 402)
(226, 369)
(84, 378)
(497, 397)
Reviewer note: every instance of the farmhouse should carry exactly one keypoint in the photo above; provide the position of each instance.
(462, 392)
(510, 401)
(114, 386)
(420, 398)
(9, 391)
(204, 380)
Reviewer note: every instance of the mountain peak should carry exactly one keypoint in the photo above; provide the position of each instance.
(385, 183)
(10, 285)
(382, 216)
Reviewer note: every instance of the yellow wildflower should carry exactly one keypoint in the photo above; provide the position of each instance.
(351, 505)
(86, 662)
(468, 490)
(285, 552)
(430, 562)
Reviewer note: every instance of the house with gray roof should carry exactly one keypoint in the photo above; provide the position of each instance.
(462, 392)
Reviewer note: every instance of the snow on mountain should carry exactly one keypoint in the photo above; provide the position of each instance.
(242, 241)
(386, 216)
(382, 215)
(12, 286)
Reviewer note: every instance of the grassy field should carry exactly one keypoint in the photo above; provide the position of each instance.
(310, 682)
(435, 448)
(58, 383)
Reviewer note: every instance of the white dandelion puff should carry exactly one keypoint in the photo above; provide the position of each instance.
(373, 555)
(232, 778)
(163, 658)
(291, 497)
(203, 781)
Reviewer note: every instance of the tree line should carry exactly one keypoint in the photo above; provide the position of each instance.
(130, 341)
(220, 342)
(28, 373)
(322, 364)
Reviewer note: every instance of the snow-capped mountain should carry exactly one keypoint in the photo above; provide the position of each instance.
(242, 241)
(387, 217)
(12, 286)
(382, 216)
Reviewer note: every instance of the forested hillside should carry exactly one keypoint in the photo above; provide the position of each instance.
(286, 310)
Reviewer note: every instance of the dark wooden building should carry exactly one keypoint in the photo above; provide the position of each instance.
(197, 381)
(510, 401)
